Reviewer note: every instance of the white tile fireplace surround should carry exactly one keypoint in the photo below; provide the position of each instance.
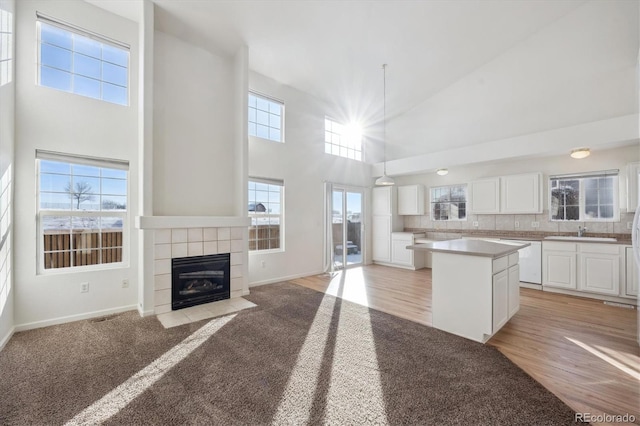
(178, 236)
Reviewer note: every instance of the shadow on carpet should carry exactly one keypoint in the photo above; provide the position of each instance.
(299, 357)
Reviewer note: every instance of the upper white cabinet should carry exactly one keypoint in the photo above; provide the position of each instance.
(513, 194)
(633, 170)
(521, 193)
(411, 200)
(484, 196)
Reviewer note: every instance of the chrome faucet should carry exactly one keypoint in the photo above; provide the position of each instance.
(581, 231)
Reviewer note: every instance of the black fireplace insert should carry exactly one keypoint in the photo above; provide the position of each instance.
(200, 279)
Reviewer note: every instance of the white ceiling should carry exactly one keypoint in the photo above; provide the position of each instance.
(459, 72)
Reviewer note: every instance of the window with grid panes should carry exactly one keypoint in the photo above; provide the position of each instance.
(449, 202)
(266, 207)
(342, 140)
(82, 211)
(81, 62)
(266, 118)
(585, 197)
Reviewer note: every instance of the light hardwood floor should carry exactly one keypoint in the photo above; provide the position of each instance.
(582, 350)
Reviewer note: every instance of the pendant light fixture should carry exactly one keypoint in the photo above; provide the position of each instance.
(384, 179)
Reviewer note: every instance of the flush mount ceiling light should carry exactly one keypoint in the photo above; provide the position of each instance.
(384, 179)
(580, 153)
(442, 172)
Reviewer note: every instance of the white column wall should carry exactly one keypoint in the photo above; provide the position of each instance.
(58, 121)
(7, 142)
(303, 165)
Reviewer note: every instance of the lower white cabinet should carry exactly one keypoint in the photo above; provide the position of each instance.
(559, 265)
(514, 289)
(381, 244)
(403, 257)
(631, 287)
(500, 299)
(599, 268)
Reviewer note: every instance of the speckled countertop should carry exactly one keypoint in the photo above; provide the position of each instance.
(444, 234)
(470, 247)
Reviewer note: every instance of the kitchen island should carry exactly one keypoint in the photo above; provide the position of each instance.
(475, 286)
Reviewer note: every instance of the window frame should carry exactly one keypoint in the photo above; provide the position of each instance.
(261, 96)
(124, 215)
(89, 36)
(433, 203)
(581, 177)
(280, 215)
(7, 28)
(340, 146)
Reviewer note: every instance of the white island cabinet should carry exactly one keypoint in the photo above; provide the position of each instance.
(475, 286)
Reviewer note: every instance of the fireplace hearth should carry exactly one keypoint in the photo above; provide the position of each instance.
(199, 279)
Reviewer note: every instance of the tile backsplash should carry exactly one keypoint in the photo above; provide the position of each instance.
(525, 222)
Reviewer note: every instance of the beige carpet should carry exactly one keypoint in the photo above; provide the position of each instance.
(299, 357)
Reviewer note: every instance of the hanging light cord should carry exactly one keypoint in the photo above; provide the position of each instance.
(384, 117)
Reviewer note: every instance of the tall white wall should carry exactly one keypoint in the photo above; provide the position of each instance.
(194, 137)
(53, 120)
(7, 142)
(303, 165)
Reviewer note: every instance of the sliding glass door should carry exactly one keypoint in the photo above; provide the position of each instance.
(346, 227)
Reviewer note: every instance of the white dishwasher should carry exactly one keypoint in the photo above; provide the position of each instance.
(530, 261)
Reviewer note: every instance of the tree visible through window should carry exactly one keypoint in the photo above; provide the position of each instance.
(265, 211)
(587, 197)
(449, 202)
(82, 212)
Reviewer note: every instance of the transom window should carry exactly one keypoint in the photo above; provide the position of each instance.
(266, 201)
(82, 211)
(342, 140)
(80, 62)
(584, 197)
(6, 46)
(266, 118)
(449, 202)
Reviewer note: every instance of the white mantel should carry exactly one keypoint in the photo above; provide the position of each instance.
(164, 222)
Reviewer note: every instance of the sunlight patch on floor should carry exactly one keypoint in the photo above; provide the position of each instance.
(298, 396)
(120, 397)
(355, 392)
(354, 288)
(633, 371)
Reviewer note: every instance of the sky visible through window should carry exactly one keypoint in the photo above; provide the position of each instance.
(265, 118)
(6, 47)
(73, 63)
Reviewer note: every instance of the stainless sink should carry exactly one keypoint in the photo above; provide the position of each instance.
(585, 239)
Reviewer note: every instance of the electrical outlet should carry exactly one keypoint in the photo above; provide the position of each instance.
(475, 223)
(516, 224)
(629, 225)
(535, 224)
(84, 287)
(125, 283)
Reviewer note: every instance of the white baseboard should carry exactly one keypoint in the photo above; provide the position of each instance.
(71, 318)
(145, 313)
(280, 279)
(6, 338)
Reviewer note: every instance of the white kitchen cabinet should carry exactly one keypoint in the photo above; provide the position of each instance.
(520, 194)
(403, 257)
(500, 299)
(631, 287)
(385, 220)
(384, 200)
(559, 265)
(381, 244)
(514, 289)
(411, 200)
(484, 196)
(633, 171)
(599, 268)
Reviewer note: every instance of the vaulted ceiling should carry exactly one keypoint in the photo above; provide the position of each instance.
(460, 73)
